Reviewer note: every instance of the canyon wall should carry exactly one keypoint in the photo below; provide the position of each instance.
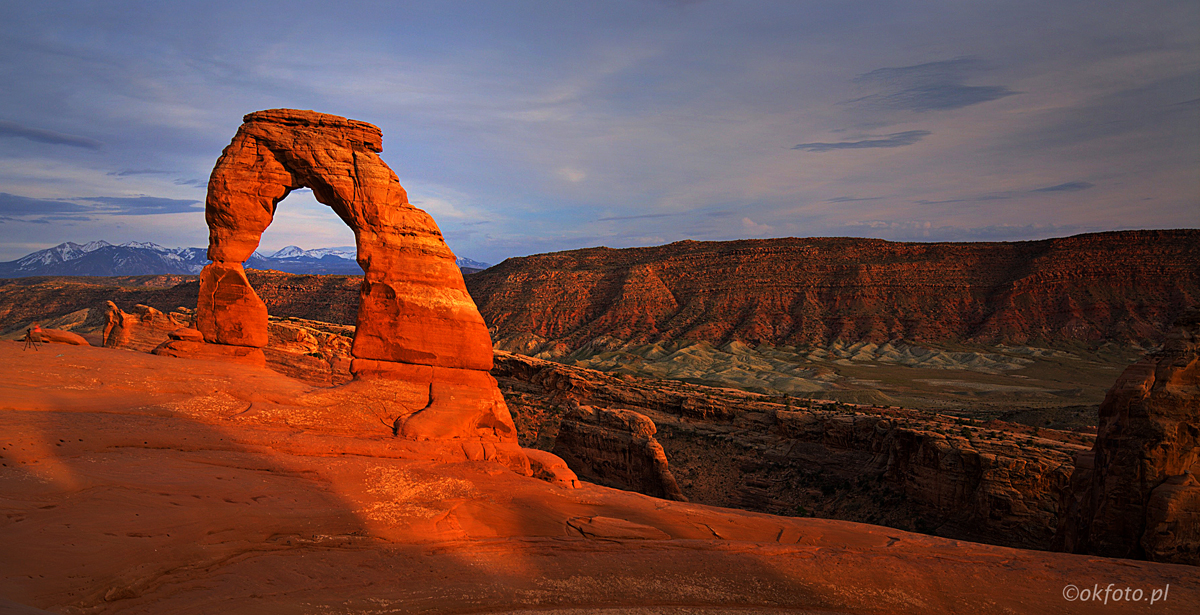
(1122, 286)
(615, 447)
(1136, 493)
(985, 481)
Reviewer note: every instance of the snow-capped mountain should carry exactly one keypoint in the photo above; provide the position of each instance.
(61, 253)
(470, 266)
(146, 258)
(346, 252)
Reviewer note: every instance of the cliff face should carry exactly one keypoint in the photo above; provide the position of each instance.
(615, 447)
(1136, 494)
(983, 481)
(991, 488)
(1126, 285)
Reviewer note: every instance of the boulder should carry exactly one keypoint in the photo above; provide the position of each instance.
(550, 468)
(58, 336)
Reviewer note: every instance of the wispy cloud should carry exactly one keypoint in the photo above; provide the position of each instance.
(13, 129)
(930, 86)
(639, 217)
(1067, 187)
(973, 199)
(898, 139)
(850, 199)
(924, 230)
(142, 205)
(129, 172)
(753, 228)
(17, 205)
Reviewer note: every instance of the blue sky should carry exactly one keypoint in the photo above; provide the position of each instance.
(526, 127)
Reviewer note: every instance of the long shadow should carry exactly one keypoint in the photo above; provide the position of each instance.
(139, 484)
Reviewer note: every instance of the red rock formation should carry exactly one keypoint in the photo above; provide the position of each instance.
(1126, 285)
(144, 329)
(58, 336)
(550, 468)
(1136, 493)
(316, 352)
(413, 305)
(416, 322)
(616, 448)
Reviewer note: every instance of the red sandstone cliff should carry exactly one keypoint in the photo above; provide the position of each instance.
(1135, 493)
(1126, 285)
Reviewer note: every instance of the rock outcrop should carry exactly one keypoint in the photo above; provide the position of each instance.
(1136, 494)
(1119, 286)
(616, 448)
(973, 484)
(58, 336)
(143, 329)
(416, 323)
(316, 352)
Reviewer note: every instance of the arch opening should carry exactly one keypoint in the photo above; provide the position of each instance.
(301, 221)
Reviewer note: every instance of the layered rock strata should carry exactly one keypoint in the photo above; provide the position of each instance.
(1119, 286)
(615, 447)
(1136, 494)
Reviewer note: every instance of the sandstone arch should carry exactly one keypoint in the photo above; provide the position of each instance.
(414, 307)
(416, 322)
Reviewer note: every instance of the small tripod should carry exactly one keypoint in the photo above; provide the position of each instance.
(32, 340)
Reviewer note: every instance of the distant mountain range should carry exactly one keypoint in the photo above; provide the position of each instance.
(100, 258)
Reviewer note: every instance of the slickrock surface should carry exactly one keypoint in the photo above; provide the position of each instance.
(986, 481)
(615, 448)
(1138, 495)
(1127, 285)
(134, 483)
(413, 306)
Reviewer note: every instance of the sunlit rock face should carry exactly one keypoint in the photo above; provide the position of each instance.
(416, 323)
(143, 329)
(1136, 494)
(414, 307)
